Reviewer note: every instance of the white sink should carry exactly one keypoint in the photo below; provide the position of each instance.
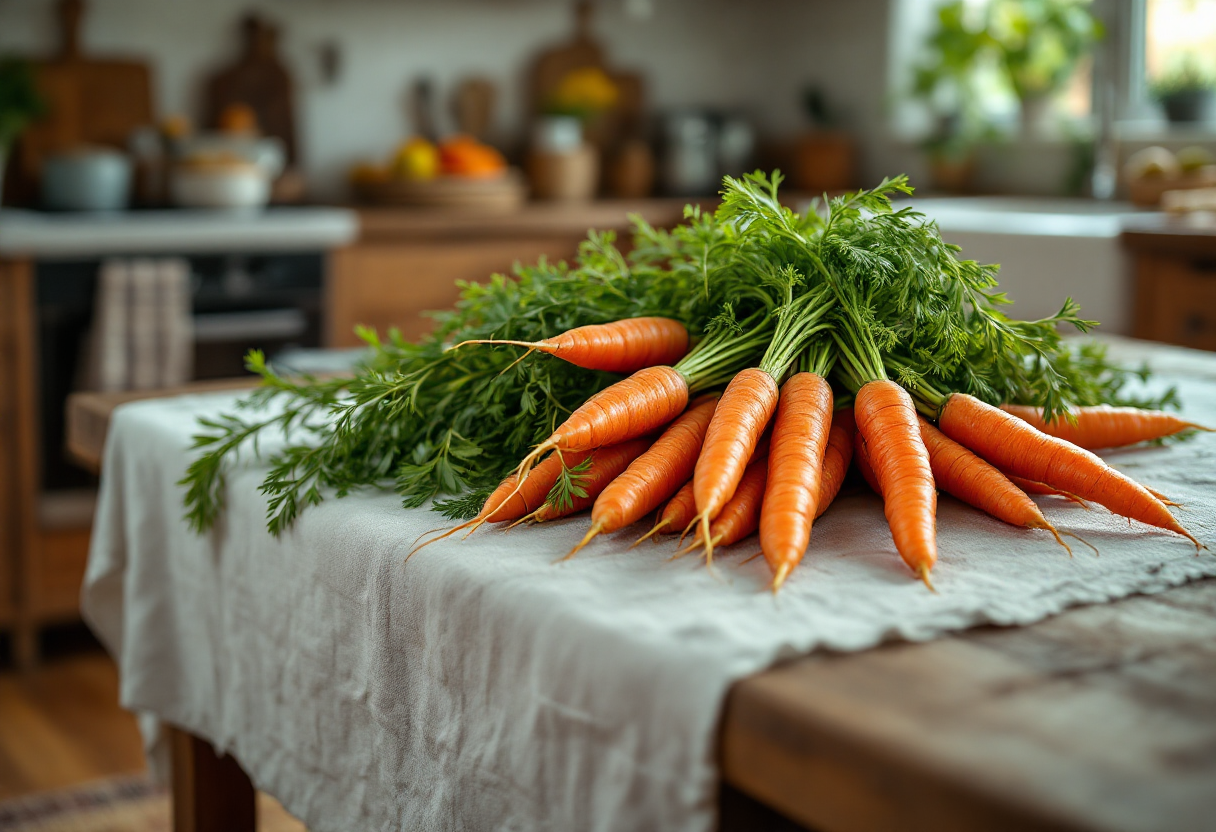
(1049, 249)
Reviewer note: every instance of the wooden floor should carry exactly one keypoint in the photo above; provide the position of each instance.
(62, 725)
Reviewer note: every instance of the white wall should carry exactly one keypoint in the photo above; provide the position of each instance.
(752, 56)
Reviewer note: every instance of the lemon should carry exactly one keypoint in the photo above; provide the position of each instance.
(416, 159)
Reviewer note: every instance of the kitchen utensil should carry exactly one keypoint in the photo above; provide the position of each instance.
(473, 107)
(422, 109)
(260, 81)
(86, 179)
(89, 102)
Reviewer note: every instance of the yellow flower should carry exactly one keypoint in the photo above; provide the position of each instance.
(587, 89)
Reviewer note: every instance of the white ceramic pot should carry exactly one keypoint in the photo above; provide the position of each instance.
(225, 187)
(86, 179)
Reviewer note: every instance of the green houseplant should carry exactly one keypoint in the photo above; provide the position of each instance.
(1041, 43)
(20, 104)
(1185, 93)
(945, 81)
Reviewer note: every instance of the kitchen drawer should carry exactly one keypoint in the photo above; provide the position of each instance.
(384, 285)
(1176, 300)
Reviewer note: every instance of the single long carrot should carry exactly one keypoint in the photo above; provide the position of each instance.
(836, 458)
(652, 477)
(606, 465)
(959, 472)
(676, 515)
(739, 421)
(795, 467)
(1104, 426)
(1015, 446)
(887, 421)
(636, 406)
(741, 514)
(624, 346)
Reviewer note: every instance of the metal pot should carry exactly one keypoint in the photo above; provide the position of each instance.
(86, 179)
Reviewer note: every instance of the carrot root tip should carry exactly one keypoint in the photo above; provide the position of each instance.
(418, 547)
(1059, 539)
(750, 558)
(922, 572)
(657, 526)
(1084, 541)
(595, 529)
(783, 572)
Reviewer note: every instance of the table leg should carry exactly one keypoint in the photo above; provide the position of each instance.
(211, 793)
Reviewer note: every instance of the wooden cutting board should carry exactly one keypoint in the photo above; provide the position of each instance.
(90, 101)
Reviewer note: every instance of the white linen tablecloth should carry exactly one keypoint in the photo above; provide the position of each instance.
(482, 686)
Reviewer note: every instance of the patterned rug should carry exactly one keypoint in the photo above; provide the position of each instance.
(119, 804)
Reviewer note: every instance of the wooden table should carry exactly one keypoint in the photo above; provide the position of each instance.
(1102, 718)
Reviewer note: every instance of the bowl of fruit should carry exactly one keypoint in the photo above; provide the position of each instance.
(457, 173)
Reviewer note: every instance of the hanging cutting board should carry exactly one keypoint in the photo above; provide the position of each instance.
(259, 80)
(90, 101)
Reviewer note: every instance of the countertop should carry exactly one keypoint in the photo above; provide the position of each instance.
(533, 219)
(26, 233)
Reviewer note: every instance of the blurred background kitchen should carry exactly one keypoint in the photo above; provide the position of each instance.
(185, 181)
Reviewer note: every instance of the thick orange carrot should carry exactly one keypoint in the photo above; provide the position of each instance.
(741, 514)
(606, 465)
(1104, 426)
(619, 347)
(675, 516)
(887, 421)
(795, 466)
(836, 459)
(640, 404)
(739, 421)
(1015, 446)
(654, 476)
(959, 472)
(1032, 487)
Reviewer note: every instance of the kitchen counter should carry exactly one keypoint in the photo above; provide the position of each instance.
(33, 234)
(386, 223)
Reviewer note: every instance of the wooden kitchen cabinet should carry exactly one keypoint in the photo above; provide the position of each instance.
(1175, 284)
(406, 262)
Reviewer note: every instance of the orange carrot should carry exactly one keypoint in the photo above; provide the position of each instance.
(640, 404)
(606, 465)
(739, 421)
(1015, 446)
(652, 477)
(676, 515)
(795, 466)
(1104, 426)
(619, 347)
(959, 472)
(887, 421)
(741, 514)
(836, 459)
(1032, 487)
(861, 458)
(509, 502)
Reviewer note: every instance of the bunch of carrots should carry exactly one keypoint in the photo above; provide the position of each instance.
(850, 335)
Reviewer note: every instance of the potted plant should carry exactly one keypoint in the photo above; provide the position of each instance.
(945, 81)
(563, 164)
(1185, 93)
(19, 105)
(1040, 44)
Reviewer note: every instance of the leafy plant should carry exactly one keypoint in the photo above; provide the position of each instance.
(20, 102)
(1185, 77)
(1041, 42)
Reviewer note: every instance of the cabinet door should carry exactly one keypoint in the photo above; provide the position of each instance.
(385, 285)
(1176, 301)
